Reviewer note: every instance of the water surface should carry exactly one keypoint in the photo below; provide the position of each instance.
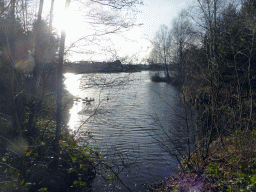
(135, 123)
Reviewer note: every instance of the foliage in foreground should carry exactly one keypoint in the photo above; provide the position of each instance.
(38, 167)
(230, 166)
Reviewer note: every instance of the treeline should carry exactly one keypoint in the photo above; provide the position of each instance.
(212, 49)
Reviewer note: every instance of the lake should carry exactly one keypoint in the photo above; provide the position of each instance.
(139, 125)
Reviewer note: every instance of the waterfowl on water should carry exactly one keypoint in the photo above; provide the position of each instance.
(87, 100)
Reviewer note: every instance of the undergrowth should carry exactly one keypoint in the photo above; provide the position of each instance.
(230, 166)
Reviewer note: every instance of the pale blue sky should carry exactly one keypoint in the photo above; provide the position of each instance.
(158, 12)
(134, 43)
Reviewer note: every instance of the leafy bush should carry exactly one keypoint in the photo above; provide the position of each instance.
(38, 167)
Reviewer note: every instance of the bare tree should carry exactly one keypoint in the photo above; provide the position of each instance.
(15, 121)
(103, 19)
(206, 15)
(161, 51)
(183, 37)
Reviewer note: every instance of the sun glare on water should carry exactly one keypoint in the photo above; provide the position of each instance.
(72, 84)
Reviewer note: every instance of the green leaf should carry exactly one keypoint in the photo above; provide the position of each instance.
(70, 170)
(230, 189)
(28, 184)
(253, 179)
(43, 189)
(73, 158)
(23, 181)
(217, 172)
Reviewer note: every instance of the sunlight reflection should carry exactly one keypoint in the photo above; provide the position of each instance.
(72, 83)
(74, 117)
(81, 109)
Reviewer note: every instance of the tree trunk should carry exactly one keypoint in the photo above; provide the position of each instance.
(51, 15)
(60, 85)
(40, 10)
(36, 72)
(15, 122)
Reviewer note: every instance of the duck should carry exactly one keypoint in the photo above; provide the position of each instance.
(88, 100)
(85, 99)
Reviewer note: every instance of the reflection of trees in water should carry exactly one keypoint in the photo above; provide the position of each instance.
(102, 80)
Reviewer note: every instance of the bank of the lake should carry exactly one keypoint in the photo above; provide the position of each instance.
(224, 157)
(230, 166)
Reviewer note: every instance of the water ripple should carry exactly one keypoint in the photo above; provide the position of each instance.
(130, 118)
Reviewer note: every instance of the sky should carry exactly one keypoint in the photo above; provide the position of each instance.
(161, 12)
(132, 44)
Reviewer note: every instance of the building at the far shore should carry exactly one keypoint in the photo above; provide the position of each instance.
(92, 67)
